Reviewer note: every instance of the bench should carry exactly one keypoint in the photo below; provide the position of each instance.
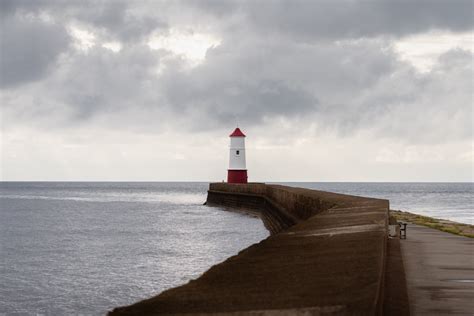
(403, 230)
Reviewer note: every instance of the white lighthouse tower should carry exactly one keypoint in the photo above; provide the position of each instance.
(237, 172)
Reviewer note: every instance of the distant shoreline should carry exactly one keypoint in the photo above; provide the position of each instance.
(447, 226)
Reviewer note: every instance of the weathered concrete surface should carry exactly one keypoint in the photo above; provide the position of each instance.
(439, 269)
(395, 292)
(331, 261)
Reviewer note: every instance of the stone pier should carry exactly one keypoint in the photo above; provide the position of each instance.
(326, 255)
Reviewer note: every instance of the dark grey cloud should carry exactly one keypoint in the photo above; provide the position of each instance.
(118, 19)
(326, 19)
(29, 48)
(102, 81)
(222, 103)
(429, 108)
(312, 62)
(256, 80)
(34, 33)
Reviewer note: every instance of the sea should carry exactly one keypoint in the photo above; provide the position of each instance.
(83, 248)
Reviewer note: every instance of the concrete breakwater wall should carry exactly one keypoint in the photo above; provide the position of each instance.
(280, 206)
(326, 256)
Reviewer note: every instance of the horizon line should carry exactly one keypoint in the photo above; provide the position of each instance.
(207, 181)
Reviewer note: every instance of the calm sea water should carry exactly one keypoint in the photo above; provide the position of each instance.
(84, 248)
(453, 201)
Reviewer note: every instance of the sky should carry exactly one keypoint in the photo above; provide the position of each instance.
(325, 90)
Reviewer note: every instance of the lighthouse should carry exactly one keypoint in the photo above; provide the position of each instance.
(237, 172)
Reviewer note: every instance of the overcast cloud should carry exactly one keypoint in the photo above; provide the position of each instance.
(150, 90)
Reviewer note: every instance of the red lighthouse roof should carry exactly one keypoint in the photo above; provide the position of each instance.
(237, 133)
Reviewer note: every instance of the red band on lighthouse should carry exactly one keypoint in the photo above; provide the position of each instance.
(237, 176)
(237, 172)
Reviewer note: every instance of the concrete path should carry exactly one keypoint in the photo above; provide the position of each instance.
(439, 270)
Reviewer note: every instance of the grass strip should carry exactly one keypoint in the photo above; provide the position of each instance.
(455, 228)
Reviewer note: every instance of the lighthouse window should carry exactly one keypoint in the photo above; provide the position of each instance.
(237, 152)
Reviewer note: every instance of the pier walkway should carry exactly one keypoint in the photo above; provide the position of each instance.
(439, 271)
